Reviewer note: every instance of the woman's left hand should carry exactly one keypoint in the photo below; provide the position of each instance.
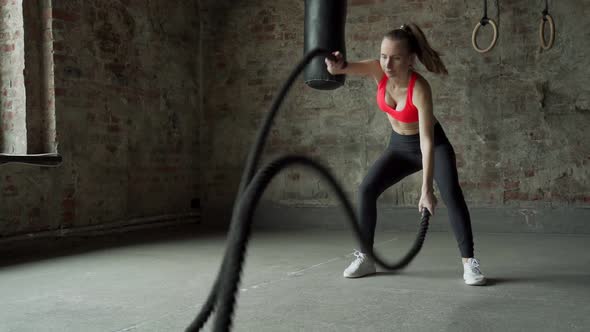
(428, 201)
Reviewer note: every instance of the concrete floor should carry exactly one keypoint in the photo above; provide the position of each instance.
(157, 280)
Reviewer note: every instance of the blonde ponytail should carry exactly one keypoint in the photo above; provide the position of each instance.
(418, 44)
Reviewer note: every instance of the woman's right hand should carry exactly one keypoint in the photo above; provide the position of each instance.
(332, 65)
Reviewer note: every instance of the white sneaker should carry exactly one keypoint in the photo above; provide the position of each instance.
(472, 274)
(361, 266)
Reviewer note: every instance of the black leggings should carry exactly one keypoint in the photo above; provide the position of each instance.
(404, 157)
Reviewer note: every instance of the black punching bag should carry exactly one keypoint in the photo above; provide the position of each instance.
(324, 28)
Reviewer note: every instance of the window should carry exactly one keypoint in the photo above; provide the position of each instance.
(27, 108)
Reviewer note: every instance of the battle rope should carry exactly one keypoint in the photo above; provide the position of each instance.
(252, 186)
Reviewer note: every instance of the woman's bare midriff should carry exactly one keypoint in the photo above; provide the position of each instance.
(403, 128)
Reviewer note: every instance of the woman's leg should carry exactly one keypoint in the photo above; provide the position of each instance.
(390, 168)
(447, 179)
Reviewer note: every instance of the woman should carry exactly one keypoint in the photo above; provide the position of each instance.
(417, 142)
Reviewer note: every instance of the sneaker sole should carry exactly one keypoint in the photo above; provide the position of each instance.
(359, 276)
(476, 283)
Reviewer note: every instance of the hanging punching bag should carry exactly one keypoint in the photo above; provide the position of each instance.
(324, 28)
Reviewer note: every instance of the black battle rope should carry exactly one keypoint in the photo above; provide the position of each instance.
(251, 188)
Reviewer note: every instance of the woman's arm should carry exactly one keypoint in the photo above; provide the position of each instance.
(422, 99)
(370, 67)
(363, 68)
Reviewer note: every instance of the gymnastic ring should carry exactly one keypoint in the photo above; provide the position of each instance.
(551, 31)
(475, 34)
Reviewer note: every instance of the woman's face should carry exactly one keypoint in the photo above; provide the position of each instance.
(394, 58)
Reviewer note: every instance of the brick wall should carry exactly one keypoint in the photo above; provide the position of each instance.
(516, 116)
(128, 76)
(127, 116)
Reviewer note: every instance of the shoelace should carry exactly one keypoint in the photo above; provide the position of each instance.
(474, 266)
(359, 255)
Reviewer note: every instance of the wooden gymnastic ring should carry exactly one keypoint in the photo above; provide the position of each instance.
(474, 34)
(551, 32)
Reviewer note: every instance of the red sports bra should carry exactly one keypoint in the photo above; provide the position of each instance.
(409, 113)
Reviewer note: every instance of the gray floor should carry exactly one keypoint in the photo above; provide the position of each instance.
(293, 282)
